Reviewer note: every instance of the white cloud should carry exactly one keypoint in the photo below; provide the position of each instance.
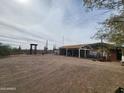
(51, 19)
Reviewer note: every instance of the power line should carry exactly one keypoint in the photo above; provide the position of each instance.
(19, 38)
(12, 41)
(20, 30)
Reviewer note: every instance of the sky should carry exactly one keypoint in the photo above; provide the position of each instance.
(60, 22)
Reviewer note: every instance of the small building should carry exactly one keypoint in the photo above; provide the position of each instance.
(76, 50)
(96, 50)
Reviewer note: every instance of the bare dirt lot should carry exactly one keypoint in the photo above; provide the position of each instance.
(58, 74)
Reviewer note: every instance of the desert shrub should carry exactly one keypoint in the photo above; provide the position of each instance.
(5, 50)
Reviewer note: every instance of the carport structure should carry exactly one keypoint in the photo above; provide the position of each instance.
(35, 49)
(81, 51)
(108, 52)
(122, 60)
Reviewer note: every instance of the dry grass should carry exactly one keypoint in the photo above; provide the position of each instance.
(57, 74)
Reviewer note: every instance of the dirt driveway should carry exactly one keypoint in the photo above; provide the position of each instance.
(58, 74)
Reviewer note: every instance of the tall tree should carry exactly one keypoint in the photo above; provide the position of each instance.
(109, 4)
(113, 28)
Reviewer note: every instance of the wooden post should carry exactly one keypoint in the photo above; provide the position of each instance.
(122, 59)
(123, 54)
(31, 49)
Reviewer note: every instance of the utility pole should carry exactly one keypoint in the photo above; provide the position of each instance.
(63, 40)
(47, 44)
(46, 47)
(102, 45)
(121, 19)
(19, 49)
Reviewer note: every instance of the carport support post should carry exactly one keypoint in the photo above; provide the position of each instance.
(31, 48)
(72, 53)
(122, 59)
(66, 52)
(79, 53)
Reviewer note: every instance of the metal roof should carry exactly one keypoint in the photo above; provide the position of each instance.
(74, 46)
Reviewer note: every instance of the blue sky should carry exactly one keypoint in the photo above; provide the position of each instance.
(41, 20)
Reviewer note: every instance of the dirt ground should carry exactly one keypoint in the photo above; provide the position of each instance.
(58, 74)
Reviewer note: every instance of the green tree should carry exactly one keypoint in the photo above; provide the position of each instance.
(109, 4)
(6, 50)
(113, 27)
